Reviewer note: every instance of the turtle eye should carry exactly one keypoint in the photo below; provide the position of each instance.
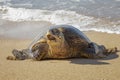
(55, 31)
(50, 37)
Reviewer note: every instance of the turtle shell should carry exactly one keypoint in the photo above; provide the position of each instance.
(64, 41)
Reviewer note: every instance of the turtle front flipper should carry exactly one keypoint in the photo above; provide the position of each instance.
(19, 55)
(11, 58)
(38, 55)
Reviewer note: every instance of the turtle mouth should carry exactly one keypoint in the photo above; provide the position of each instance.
(51, 37)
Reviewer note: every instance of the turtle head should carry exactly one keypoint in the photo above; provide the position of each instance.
(56, 41)
(55, 35)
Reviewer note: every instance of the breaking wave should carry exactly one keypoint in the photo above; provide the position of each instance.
(57, 17)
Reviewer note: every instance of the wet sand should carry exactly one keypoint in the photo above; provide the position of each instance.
(68, 69)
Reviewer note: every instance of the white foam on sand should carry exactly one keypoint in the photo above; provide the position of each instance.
(57, 17)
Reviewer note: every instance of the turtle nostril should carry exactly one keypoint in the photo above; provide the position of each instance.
(50, 37)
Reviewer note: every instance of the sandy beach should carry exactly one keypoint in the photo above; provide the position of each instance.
(68, 69)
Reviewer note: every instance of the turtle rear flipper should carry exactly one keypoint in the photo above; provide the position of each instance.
(111, 51)
(99, 51)
(104, 52)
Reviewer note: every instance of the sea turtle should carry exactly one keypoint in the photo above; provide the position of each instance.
(62, 41)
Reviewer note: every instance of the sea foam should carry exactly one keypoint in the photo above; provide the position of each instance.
(58, 17)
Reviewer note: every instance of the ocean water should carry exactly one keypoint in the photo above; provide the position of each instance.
(28, 18)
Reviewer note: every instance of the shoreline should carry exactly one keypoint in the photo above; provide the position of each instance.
(102, 38)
